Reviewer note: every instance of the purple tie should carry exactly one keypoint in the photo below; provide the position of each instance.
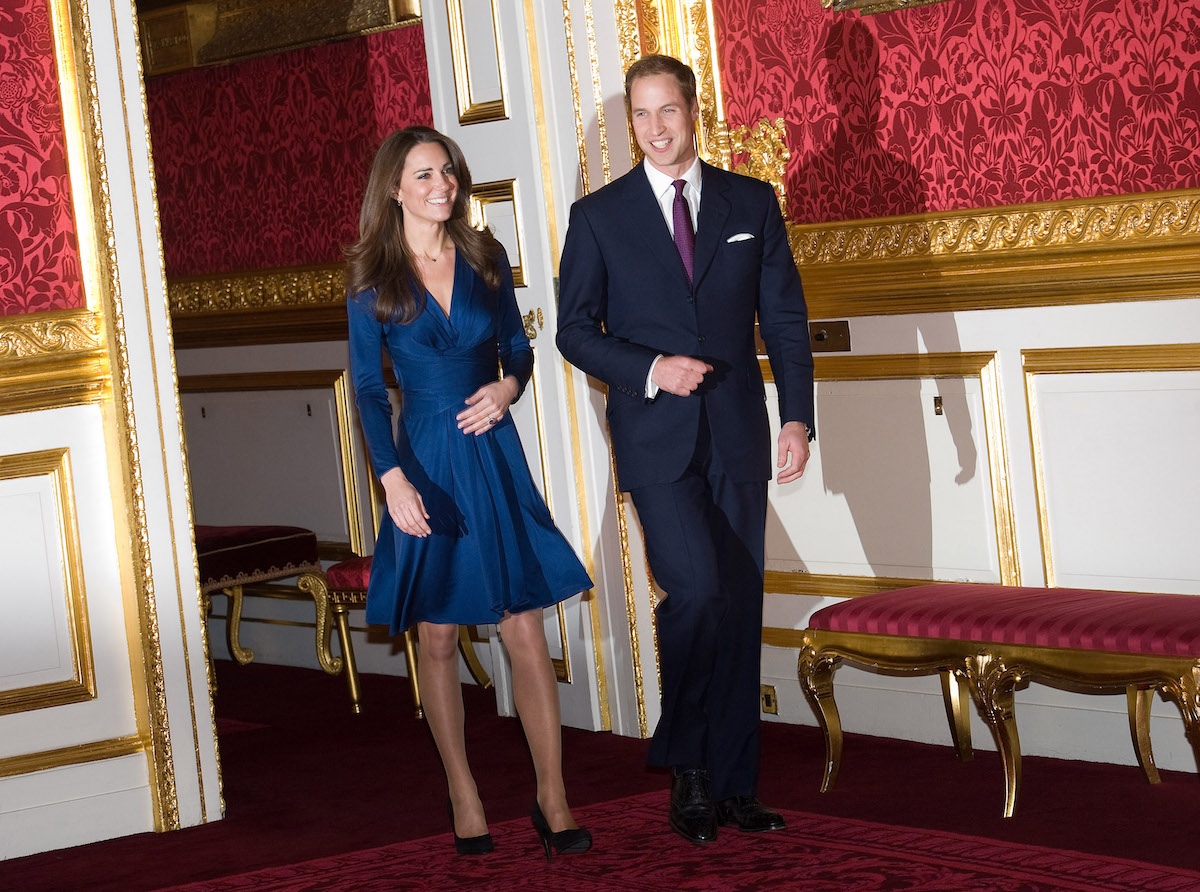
(681, 220)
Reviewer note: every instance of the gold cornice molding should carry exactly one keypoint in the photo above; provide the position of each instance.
(51, 360)
(274, 306)
(279, 288)
(1095, 250)
(41, 334)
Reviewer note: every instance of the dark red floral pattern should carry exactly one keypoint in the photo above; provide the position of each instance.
(39, 252)
(968, 103)
(262, 164)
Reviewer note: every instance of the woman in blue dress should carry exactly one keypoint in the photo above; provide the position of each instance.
(467, 538)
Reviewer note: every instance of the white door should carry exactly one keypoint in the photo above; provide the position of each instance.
(486, 93)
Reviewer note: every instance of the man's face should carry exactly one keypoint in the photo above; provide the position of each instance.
(663, 123)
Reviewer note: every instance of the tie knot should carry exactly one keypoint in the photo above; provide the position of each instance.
(679, 184)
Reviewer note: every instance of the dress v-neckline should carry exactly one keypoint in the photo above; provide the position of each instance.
(446, 312)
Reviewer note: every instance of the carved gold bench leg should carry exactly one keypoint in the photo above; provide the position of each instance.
(341, 618)
(955, 697)
(816, 679)
(468, 651)
(1139, 700)
(410, 651)
(314, 585)
(233, 626)
(993, 683)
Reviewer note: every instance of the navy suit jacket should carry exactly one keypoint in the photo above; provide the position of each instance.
(624, 298)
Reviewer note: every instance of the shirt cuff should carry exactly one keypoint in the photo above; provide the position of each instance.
(651, 387)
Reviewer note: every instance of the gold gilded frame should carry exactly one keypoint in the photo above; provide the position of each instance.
(56, 464)
(336, 380)
(1083, 360)
(918, 365)
(470, 109)
(500, 192)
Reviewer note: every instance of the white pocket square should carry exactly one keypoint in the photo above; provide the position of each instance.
(740, 237)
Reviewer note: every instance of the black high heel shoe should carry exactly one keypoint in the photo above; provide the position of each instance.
(469, 845)
(564, 842)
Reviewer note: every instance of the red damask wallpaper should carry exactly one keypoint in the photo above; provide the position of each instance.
(968, 103)
(262, 164)
(39, 254)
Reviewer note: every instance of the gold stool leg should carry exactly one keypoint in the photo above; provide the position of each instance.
(410, 651)
(233, 626)
(954, 697)
(341, 617)
(314, 585)
(468, 651)
(1139, 700)
(816, 679)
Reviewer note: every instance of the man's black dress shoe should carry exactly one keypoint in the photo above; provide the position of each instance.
(692, 815)
(750, 815)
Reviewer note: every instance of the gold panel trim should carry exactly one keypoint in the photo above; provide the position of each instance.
(56, 464)
(51, 360)
(80, 754)
(785, 582)
(470, 109)
(882, 367)
(337, 380)
(88, 169)
(500, 192)
(1083, 360)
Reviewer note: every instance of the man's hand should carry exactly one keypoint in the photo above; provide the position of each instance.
(680, 375)
(793, 452)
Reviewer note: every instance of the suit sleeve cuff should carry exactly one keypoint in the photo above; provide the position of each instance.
(651, 387)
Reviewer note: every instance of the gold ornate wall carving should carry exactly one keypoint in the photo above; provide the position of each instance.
(51, 360)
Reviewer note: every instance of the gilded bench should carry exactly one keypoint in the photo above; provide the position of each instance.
(990, 639)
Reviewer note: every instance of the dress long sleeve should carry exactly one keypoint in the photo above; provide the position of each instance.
(516, 356)
(370, 392)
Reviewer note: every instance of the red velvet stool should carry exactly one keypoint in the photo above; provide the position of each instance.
(347, 582)
(232, 557)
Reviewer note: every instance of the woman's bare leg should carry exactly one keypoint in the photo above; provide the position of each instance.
(535, 692)
(441, 694)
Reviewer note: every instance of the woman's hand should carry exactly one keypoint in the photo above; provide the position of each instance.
(404, 504)
(487, 405)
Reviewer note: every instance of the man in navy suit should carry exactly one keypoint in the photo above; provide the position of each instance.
(663, 273)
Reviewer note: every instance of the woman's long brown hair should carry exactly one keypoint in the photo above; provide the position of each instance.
(382, 259)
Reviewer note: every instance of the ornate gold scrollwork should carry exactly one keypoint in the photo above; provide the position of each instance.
(767, 153)
(870, 7)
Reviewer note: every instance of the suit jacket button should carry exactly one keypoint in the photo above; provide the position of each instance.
(700, 339)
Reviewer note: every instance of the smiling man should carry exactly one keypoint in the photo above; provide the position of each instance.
(663, 274)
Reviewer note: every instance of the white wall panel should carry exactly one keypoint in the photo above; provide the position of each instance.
(1122, 486)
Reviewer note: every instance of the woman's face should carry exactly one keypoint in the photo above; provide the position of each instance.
(428, 185)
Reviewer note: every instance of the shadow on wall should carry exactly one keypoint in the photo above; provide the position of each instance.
(873, 440)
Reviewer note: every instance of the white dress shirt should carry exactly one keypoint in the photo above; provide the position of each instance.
(664, 190)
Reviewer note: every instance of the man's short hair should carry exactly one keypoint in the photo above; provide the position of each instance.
(648, 66)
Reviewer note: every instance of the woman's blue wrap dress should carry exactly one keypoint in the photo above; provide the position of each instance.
(494, 547)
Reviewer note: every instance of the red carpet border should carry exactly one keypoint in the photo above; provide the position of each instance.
(634, 850)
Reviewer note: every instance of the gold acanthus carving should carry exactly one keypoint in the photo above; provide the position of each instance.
(261, 289)
(870, 7)
(767, 154)
(1060, 224)
(42, 334)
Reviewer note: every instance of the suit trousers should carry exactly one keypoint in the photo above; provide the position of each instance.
(704, 537)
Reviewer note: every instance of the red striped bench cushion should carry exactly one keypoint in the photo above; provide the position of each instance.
(240, 555)
(350, 575)
(1118, 622)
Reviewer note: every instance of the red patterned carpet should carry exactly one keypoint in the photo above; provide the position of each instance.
(816, 852)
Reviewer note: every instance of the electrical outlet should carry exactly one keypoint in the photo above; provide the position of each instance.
(769, 703)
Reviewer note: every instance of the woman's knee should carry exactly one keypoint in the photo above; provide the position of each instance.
(521, 631)
(437, 641)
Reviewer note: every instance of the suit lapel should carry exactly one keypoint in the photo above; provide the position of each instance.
(646, 214)
(714, 210)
